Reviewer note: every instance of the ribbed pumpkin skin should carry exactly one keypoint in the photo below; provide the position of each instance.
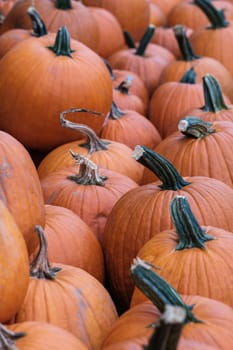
(192, 271)
(80, 22)
(223, 115)
(169, 103)
(132, 15)
(40, 335)
(92, 203)
(118, 157)
(175, 70)
(214, 331)
(20, 188)
(74, 301)
(209, 156)
(131, 129)
(126, 232)
(33, 118)
(14, 272)
(71, 241)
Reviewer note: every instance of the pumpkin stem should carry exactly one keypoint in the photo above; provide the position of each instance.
(39, 27)
(62, 43)
(40, 266)
(161, 167)
(109, 68)
(63, 4)
(116, 112)
(94, 143)
(168, 330)
(216, 17)
(143, 43)
(213, 96)
(189, 76)
(186, 49)
(159, 291)
(88, 172)
(125, 85)
(190, 233)
(195, 127)
(8, 337)
(129, 41)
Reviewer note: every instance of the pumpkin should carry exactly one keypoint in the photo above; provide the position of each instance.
(14, 273)
(72, 242)
(157, 17)
(98, 189)
(121, 123)
(203, 65)
(111, 37)
(108, 154)
(208, 321)
(171, 100)
(20, 188)
(166, 6)
(145, 211)
(78, 19)
(67, 297)
(125, 99)
(191, 250)
(132, 15)
(143, 59)
(214, 40)
(38, 336)
(67, 70)
(187, 13)
(199, 148)
(13, 36)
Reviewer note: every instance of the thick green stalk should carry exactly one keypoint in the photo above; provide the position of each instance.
(184, 44)
(39, 27)
(189, 231)
(145, 40)
(63, 4)
(116, 112)
(189, 76)
(161, 167)
(213, 95)
(129, 41)
(8, 338)
(61, 46)
(195, 127)
(216, 17)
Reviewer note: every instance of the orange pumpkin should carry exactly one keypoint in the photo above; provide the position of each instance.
(14, 272)
(67, 297)
(145, 211)
(37, 336)
(68, 70)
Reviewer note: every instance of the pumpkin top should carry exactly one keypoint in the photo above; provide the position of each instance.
(61, 46)
(143, 43)
(213, 96)
(195, 127)
(8, 337)
(184, 44)
(216, 17)
(161, 167)
(63, 4)
(159, 291)
(39, 27)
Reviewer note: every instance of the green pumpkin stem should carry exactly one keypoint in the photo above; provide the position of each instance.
(216, 17)
(189, 231)
(213, 95)
(145, 40)
(159, 291)
(161, 167)
(63, 4)
(168, 331)
(129, 41)
(189, 76)
(109, 68)
(39, 27)
(94, 143)
(116, 112)
(40, 266)
(8, 338)
(125, 85)
(88, 172)
(61, 46)
(195, 127)
(184, 44)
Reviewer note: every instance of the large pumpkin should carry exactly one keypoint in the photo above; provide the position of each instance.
(190, 250)
(14, 272)
(145, 211)
(54, 75)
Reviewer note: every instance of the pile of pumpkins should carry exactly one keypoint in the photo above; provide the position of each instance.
(116, 174)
